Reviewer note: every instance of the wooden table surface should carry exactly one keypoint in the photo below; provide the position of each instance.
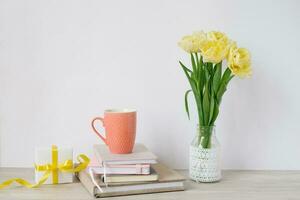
(238, 185)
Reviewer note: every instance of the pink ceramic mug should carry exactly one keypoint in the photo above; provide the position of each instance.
(120, 129)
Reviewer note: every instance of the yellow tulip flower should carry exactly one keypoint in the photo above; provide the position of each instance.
(215, 48)
(239, 61)
(190, 44)
(213, 45)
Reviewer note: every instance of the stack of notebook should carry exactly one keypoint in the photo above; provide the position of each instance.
(124, 174)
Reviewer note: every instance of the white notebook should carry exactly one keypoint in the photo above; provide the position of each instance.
(139, 155)
(120, 170)
(111, 179)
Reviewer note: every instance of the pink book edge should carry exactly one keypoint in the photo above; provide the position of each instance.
(94, 163)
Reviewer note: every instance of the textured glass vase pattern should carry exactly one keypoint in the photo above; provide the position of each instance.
(205, 156)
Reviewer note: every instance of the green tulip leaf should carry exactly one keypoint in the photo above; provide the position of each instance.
(193, 63)
(215, 114)
(217, 76)
(206, 106)
(184, 67)
(211, 108)
(186, 102)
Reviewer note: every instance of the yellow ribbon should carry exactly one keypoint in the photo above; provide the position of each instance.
(54, 164)
(53, 169)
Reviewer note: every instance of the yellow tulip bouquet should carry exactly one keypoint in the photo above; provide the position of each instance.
(208, 81)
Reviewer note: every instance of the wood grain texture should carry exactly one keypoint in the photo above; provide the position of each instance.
(238, 185)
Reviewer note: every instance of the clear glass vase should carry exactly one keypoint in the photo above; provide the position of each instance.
(205, 156)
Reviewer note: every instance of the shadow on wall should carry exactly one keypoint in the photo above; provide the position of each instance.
(251, 114)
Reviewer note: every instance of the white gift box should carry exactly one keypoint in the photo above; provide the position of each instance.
(43, 156)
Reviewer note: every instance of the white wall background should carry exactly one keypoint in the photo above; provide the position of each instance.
(64, 62)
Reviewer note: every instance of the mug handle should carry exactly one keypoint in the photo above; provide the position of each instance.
(95, 130)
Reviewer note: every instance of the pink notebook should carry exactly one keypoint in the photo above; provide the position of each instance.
(98, 168)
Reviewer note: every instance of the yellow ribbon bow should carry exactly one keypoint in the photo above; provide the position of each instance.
(53, 169)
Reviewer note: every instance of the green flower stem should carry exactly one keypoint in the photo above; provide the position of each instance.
(208, 84)
(205, 137)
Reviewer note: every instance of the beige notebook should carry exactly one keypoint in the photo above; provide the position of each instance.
(117, 179)
(140, 155)
(169, 180)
